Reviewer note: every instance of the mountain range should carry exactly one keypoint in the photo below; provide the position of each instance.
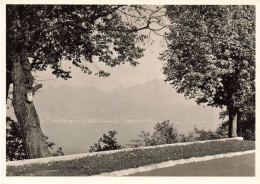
(153, 101)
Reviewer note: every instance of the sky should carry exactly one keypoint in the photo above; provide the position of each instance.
(124, 75)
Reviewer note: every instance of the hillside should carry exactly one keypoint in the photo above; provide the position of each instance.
(154, 101)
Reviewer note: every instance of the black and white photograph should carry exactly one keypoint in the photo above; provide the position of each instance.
(157, 91)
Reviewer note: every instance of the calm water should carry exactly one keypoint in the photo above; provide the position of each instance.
(77, 138)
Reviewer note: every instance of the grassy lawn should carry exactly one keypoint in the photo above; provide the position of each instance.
(93, 165)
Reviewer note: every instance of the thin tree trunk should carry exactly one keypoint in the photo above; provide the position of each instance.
(25, 111)
(232, 131)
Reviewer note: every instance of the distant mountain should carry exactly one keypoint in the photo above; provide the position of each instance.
(154, 101)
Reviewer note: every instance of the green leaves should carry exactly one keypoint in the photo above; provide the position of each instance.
(209, 51)
(166, 133)
(105, 143)
(14, 141)
(77, 33)
(15, 144)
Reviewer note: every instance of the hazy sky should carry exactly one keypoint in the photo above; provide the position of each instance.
(150, 67)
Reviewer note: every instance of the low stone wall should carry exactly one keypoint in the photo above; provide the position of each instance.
(77, 156)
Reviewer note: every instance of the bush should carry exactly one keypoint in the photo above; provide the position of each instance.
(202, 134)
(165, 133)
(107, 142)
(246, 127)
(190, 137)
(245, 124)
(15, 148)
(59, 152)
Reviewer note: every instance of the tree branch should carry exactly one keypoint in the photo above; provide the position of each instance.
(128, 30)
(35, 88)
(105, 14)
(127, 14)
(158, 10)
(79, 24)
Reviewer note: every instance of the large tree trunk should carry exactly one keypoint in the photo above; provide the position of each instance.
(8, 83)
(232, 130)
(239, 126)
(8, 71)
(25, 111)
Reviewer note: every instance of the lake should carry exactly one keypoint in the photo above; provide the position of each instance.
(77, 138)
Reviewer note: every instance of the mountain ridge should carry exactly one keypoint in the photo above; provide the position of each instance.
(154, 100)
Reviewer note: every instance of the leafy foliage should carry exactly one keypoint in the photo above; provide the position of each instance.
(15, 147)
(246, 127)
(56, 37)
(59, 152)
(107, 142)
(202, 135)
(211, 54)
(53, 35)
(165, 133)
(96, 164)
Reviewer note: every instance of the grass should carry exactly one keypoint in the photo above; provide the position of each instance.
(93, 165)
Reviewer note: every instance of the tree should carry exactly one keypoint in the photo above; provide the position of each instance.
(164, 133)
(245, 127)
(201, 134)
(15, 146)
(105, 143)
(210, 56)
(41, 37)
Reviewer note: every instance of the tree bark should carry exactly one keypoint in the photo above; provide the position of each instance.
(25, 111)
(232, 131)
(8, 75)
(8, 83)
(239, 126)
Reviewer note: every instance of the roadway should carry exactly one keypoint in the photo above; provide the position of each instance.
(243, 165)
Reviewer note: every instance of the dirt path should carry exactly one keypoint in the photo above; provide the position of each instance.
(243, 165)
